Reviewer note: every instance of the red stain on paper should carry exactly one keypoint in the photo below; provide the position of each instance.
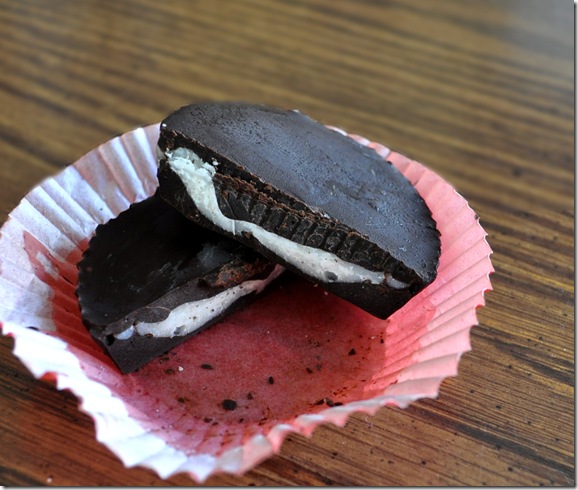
(61, 276)
(286, 354)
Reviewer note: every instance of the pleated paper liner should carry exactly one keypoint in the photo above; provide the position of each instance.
(225, 400)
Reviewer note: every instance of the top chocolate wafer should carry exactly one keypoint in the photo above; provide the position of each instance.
(306, 196)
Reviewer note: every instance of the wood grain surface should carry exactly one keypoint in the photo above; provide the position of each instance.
(482, 92)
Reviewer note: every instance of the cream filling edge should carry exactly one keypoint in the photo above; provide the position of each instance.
(197, 176)
(191, 316)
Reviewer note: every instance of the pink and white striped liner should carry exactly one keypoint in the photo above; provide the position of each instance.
(397, 361)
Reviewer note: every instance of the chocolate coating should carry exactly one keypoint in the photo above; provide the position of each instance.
(146, 262)
(295, 177)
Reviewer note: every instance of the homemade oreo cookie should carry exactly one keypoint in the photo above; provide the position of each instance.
(304, 196)
(151, 278)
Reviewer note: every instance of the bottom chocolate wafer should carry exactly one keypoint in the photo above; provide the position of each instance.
(150, 279)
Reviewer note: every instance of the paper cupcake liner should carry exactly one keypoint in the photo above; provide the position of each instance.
(294, 359)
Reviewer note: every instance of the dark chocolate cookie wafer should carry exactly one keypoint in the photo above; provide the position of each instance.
(150, 279)
(303, 195)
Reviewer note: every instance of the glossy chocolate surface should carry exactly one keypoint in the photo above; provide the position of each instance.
(364, 209)
(300, 180)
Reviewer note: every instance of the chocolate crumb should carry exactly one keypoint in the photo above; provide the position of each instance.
(309, 370)
(381, 341)
(169, 371)
(328, 401)
(249, 396)
(207, 366)
(270, 380)
(229, 404)
(352, 352)
(181, 399)
(207, 419)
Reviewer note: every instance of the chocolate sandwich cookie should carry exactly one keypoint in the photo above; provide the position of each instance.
(151, 278)
(303, 195)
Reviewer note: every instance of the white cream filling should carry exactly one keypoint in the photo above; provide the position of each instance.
(188, 317)
(197, 176)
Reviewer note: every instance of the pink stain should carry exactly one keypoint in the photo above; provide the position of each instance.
(61, 277)
(295, 350)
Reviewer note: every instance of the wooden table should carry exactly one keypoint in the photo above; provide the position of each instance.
(480, 91)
